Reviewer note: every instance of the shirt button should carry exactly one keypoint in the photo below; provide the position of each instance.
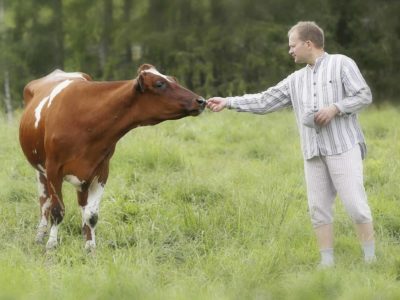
(315, 95)
(315, 83)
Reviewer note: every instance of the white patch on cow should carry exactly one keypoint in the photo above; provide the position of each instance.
(72, 179)
(58, 90)
(42, 170)
(42, 228)
(34, 151)
(155, 71)
(41, 187)
(95, 193)
(46, 206)
(58, 74)
(38, 110)
(52, 242)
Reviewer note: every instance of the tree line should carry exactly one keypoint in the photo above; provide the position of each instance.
(223, 47)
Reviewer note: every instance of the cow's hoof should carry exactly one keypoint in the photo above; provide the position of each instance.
(40, 237)
(51, 244)
(41, 234)
(90, 246)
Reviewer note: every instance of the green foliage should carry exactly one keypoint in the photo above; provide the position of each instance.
(212, 207)
(213, 47)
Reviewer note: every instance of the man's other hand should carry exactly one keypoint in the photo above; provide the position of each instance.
(325, 115)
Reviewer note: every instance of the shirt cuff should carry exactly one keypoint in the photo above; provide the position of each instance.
(340, 108)
(228, 104)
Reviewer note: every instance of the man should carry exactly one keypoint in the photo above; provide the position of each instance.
(326, 96)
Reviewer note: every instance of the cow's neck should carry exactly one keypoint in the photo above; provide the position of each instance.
(125, 111)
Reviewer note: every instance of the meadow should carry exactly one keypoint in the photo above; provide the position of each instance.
(212, 207)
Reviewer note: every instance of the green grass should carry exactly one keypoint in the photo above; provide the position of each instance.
(212, 207)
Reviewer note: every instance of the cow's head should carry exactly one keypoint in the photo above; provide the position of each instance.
(165, 97)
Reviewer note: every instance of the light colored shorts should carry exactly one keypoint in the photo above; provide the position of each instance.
(340, 174)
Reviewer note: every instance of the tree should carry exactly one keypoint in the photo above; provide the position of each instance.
(59, 33)
(4, 65)
(223, 47)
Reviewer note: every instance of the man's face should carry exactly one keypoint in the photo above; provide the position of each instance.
(299, 49)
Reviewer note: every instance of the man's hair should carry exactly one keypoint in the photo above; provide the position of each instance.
(309, 31)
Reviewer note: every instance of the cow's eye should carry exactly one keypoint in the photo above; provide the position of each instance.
(160, 84)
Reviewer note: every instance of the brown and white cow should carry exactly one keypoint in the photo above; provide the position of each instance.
(70, 127)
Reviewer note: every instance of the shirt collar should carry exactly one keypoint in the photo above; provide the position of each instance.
(318, 61)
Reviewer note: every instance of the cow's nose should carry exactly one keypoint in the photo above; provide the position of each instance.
(201, 101)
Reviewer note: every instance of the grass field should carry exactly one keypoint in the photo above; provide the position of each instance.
(212, 207)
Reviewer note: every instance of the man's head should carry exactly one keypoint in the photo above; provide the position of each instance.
(306, 42)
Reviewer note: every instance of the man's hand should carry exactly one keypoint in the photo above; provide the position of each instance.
(325, 115)
(216, 104)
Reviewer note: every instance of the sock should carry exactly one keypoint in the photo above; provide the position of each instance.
(369, 251)
(327, 259)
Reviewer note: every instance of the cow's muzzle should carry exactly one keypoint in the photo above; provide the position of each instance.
(202, 102)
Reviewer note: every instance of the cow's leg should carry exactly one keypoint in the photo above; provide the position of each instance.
(89, 201)
(44, 201)
(57, 209)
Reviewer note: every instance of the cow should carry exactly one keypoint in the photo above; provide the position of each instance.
(71, 125)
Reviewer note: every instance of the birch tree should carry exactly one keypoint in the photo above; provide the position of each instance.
(4, 66)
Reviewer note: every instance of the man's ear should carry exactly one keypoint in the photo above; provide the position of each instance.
(140, 83)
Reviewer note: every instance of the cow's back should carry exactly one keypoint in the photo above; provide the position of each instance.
(42, 85)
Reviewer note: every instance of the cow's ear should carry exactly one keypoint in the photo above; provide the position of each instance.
(144, 67)
(139, 85)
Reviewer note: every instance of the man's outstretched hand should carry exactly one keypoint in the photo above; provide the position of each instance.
(216, 104)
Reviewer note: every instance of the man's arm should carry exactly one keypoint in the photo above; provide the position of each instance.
(273, 99)
(358, 94)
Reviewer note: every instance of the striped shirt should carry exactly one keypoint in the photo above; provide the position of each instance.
(334, 79)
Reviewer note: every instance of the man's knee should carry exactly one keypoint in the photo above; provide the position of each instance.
(360, 217)
(320, 216)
